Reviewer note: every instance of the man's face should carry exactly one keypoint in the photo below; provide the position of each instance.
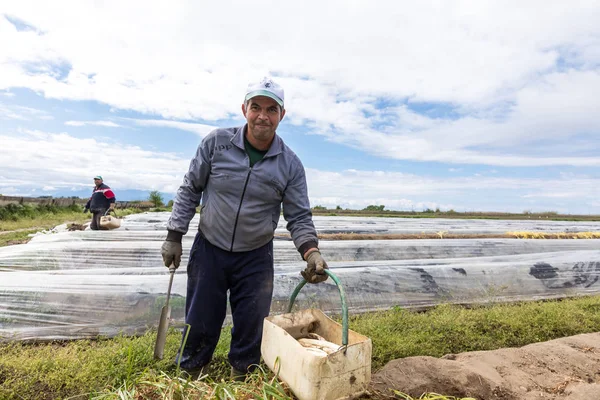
(263, 115)
(97, 182)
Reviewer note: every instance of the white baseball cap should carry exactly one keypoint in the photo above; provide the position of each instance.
(266, 87)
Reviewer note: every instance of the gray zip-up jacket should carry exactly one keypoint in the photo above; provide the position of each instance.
(241, 205)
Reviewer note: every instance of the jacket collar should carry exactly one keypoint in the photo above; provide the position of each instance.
(238, 140)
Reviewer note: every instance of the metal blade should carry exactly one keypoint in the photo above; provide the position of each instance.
(161, 336)
(163, 325)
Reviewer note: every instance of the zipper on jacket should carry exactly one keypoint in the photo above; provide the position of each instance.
(239, 209)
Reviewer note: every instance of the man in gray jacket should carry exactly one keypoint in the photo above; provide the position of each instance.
(242, 176)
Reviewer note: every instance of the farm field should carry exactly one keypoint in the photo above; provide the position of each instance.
(90, 285)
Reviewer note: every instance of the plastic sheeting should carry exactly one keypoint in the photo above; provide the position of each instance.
(81, 284)
(365, 225)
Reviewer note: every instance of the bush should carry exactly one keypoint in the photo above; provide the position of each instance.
(15, 212)
(374, 208)
(156, 198)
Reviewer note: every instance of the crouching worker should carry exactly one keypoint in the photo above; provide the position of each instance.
(242, 176)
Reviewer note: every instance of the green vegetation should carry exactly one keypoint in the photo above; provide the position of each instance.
(16, 212)
(449, 329)
(123, 368)
(374, 208)
(21, 236)
(21, 217)
(17, 221)
(156, 198)
(380, 211)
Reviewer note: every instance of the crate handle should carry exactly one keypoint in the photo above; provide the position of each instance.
(342, 297)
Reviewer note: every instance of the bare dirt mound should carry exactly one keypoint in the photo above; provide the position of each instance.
(566, 368)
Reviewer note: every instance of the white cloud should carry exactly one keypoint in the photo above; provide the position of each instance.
(22, 113)
(199, 129)
(70, 162)
(108, 124)
(561, 195)
(11, 191)
(507, 79)
(8, 113)
(396, 190)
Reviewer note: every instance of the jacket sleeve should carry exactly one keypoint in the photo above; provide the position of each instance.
(89, 202)
(110, 195)
(297, 213)
(190, 192)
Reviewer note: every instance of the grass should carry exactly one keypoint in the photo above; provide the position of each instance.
(259, 385)
(526, 215)
(448, 329)
(10, 238)
(44, 221)
(18, 222)
(123, 368)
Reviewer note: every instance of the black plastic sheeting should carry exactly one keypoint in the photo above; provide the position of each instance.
(86, 284)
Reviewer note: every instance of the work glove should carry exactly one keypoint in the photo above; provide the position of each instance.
(86, 210)
(315, 268)
(171, 253)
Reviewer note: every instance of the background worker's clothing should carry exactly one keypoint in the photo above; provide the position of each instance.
(96, 215)
(102, 197)
(249, 278)
(241, 204)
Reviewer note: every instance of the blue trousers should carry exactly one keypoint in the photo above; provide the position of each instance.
(211, 273)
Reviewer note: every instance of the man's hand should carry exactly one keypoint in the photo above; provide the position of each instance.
(171, 253)
(86, 210)
(112, 206)
(315, 268)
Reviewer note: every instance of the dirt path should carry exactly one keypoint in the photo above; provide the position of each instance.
(566, 368)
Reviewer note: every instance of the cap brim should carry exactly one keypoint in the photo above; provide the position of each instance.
(266, 94)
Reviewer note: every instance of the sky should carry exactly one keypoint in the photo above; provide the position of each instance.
(462, 105)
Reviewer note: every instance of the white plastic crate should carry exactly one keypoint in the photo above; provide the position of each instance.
(344, 374)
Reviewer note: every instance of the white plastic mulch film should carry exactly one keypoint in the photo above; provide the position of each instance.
(86, 284)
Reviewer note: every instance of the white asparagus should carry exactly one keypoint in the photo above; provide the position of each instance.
(324, 345)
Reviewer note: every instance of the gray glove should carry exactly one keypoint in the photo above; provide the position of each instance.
(315, 268)
(171, 253)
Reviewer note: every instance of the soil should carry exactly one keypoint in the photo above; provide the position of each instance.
(566, 368)
(76, 227)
